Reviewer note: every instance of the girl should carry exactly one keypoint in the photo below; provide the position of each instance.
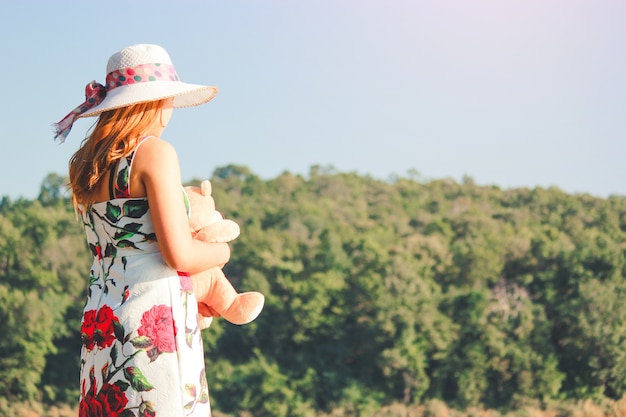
(141, 350)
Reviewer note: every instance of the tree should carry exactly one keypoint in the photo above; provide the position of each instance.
(53, 188)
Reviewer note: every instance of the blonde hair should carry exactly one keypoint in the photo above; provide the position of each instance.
(113, 137)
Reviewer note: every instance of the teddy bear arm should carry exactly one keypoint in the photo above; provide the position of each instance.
(221, 231)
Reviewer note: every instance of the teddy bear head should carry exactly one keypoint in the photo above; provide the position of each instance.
(201, 206)
(205, 222)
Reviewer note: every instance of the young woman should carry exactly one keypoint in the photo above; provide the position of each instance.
(141, 351)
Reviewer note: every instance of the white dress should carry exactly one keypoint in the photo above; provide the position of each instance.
(142, 353)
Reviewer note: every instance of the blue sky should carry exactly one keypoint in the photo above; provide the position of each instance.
(512, 93)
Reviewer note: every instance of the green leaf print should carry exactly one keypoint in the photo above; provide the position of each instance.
(127, 413)
(113, 354)
(204, 388)
(128, 231)
(110, 251)
(93, 250)
(190, 389)
(113, 212)
(90, 218)
(135, 208)
(141, 342)
(127, 244)
(137, 379)
(122, 177)
(92, 279)
(118, 328)
(204, 397)
(123, 385)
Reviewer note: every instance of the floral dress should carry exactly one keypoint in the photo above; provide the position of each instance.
(141, 353)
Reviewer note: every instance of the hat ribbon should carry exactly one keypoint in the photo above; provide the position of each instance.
(94, 94)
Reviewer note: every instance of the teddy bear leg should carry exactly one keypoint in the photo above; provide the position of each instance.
(235, 307)
(245, 308)
(214, 294)
(205, 316)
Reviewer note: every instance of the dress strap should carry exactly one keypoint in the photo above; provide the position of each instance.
(119, 178)
(112, 175)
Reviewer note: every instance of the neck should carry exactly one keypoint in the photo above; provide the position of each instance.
(156, 129)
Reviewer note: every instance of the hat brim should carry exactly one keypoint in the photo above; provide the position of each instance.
(185, 95)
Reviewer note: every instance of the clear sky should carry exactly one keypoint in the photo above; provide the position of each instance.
(516, 93)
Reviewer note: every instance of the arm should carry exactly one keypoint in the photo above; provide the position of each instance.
(156, 167)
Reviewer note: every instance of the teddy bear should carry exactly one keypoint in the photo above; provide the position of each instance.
(215, 294)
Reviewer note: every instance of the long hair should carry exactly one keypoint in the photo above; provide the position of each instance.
(113, 137)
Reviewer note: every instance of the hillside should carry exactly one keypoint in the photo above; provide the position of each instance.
(377, 293)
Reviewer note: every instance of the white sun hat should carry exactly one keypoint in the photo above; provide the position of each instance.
(136, 74)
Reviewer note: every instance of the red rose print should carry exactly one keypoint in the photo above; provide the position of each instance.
(88, 328)
(113, 400)
(88, 406)
(104, 334)
(109, 402)
(97, 328)
(157, 325)
(125, 294)
(146, 409)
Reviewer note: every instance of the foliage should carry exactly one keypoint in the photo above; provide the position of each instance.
(399, 297)
(42, 256)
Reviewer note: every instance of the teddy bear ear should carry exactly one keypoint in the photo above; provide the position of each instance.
(206, 187)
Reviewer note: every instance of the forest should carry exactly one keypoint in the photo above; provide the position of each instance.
(397, 297)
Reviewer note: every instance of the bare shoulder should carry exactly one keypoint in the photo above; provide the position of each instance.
(156, 164)
(155, 147)
(154, 154)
